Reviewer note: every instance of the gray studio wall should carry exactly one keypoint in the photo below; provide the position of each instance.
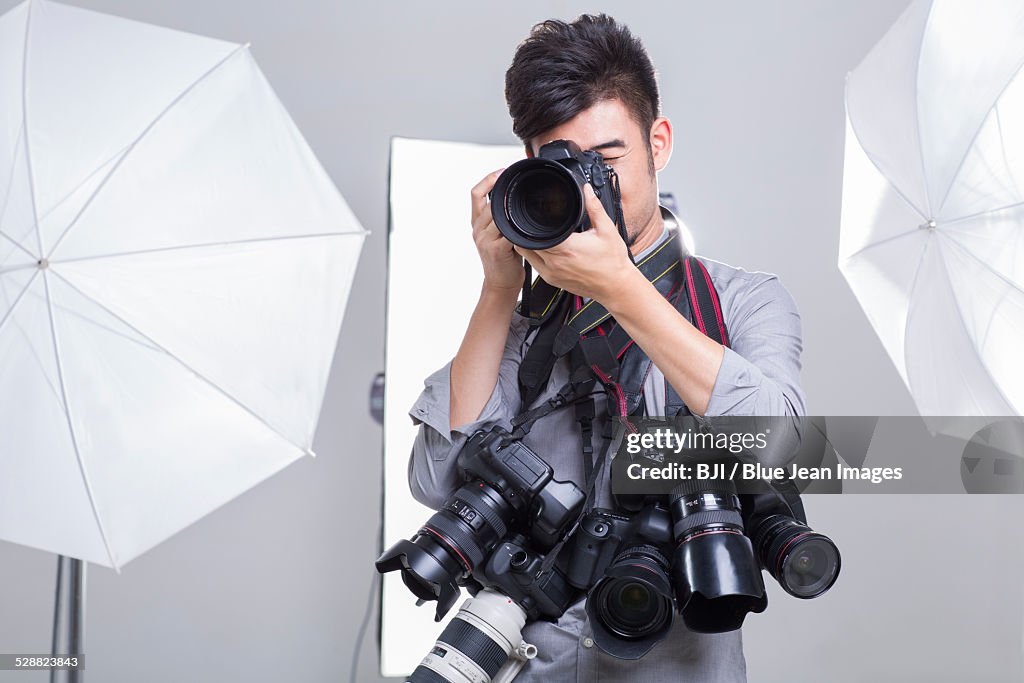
(272, 586)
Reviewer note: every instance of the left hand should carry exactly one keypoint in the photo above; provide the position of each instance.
(589, 263)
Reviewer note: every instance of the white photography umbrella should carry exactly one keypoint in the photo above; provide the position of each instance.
(174, 267)
(932, 239)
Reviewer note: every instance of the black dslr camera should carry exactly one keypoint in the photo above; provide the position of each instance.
(538, 202)
(624, 560)
(509, 490)
(515, 569)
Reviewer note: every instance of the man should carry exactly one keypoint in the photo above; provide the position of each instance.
(591, 81)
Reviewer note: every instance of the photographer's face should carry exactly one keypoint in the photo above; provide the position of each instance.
(608, 128)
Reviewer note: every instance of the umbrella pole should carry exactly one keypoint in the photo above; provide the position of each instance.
(69, 617)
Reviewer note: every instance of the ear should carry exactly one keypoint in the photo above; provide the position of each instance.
(661, 142)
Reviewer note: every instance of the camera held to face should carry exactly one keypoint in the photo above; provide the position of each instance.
(538, 202)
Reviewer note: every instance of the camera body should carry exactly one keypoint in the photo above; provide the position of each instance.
(604, 533)
(623, 561)
(514, 570)
(525, 480)
(538, 202)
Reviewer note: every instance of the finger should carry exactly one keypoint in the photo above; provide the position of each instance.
(478, 195)
(483, 226)
(599, 219)
(487, 236)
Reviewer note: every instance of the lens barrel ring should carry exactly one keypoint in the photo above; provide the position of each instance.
(690, 487)
(475, 644)
(643, 551)
(454, 532)
(424, 674)
(492, 518)
(690, 522)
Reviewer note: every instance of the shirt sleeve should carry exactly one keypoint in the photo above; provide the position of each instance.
(433, 476)
(760, 372)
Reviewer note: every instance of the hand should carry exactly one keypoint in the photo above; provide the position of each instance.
(593, 263)
(503, 268)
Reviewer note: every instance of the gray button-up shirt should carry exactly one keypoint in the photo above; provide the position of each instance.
(759, 376)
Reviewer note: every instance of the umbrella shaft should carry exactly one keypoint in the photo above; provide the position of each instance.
(69, 617)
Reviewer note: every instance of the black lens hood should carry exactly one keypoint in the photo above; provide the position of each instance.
(427, 569)
(717, 581)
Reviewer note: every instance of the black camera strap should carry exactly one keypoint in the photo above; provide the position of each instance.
(598, 346)
(700, 305)
(620, 220)
(592, 470)
(580, 385)
(539, 300)
(553, 341)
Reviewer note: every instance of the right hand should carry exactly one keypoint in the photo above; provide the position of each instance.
(503, 267)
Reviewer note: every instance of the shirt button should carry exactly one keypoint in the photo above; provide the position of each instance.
(588, 642)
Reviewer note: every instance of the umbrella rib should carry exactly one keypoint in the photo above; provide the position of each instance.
(7, 193)
(956, 243)
(24, 123)
(18, 245)
(888, 180)
(14, 305)
(1002, 148)
(32, 348)
(131, 147)
(11, 269)
(977, 132)
(987, 164)
(10, 171)
(71, 193)
(910, 304)
(56, 205)
(157, 250)
(71, 428)
(880, 243)
(960, 317)
(986, 212)
(166, 351)
(74, 314)
(917, 116)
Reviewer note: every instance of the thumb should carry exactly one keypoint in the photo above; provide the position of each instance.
(599, 219)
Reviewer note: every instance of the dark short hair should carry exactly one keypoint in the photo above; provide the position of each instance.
(564, 68)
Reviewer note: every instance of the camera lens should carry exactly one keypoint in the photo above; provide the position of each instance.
(544, 203)
(452, 543)
(536, 203)
(476, 643)
(804, 562)
(630, 607)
